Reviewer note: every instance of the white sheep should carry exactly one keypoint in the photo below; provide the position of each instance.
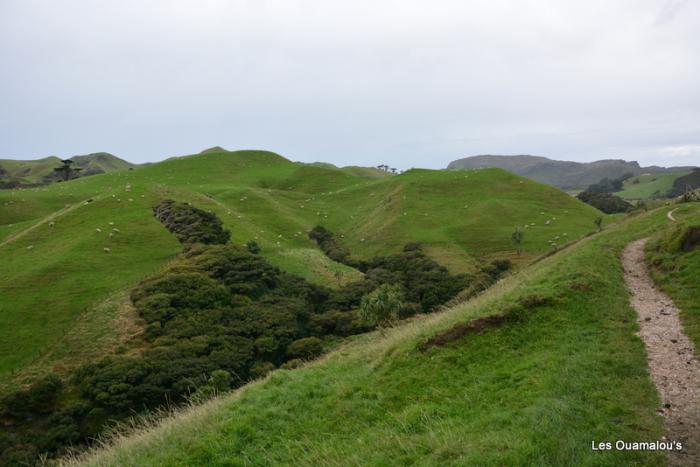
(98, 230)
(106, 250)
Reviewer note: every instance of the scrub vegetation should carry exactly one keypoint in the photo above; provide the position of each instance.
(528, 373)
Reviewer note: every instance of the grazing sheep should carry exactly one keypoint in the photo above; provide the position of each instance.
(98, 230)
(51, 224)
(30, 247)
(116, 230)
(106, 250)
(111, 223)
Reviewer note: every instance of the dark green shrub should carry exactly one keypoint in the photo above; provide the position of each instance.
(605, 202)
(253, 247)
(190, 224)
(260, 369)
(306, 348)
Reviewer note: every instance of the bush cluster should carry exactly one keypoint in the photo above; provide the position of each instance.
(216, 318)
(607, 185)
(605, 202)
(190, 224)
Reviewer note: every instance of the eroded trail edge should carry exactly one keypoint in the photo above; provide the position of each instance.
(672, 363)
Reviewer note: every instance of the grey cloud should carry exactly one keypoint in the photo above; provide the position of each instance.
(409, 83)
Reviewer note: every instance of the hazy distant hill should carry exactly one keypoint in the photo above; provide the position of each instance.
(563, 174)
(27, 172)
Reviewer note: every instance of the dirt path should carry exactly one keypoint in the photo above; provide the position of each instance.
(669, 214)
(672, 364)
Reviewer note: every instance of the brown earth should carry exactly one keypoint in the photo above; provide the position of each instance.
(672, 363)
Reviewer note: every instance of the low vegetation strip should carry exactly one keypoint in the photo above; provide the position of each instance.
(535, 391)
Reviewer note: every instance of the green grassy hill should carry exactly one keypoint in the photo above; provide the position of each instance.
(53, 239)
(34, 171)
(649, 185)
(674, 256)
(556, 366)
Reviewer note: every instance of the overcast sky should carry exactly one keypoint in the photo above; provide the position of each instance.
(404, 82)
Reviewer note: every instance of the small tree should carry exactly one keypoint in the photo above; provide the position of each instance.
(66, 170)
(598, 221)
(517, 238)
(381, 307)
(253, 247)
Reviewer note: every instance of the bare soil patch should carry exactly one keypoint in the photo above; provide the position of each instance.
(672, 363)
(460, 330)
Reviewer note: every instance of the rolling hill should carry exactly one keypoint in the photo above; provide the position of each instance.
(566, 175)
(56, 235)
(548, 349)
(28, 172)
(551, 361)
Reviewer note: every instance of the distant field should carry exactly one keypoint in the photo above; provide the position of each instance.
(649, 185)
(55, 267)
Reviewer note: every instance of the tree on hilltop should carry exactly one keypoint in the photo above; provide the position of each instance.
(66, 171)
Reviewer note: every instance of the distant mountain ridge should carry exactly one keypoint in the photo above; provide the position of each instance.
(567, 175)
(33, 172)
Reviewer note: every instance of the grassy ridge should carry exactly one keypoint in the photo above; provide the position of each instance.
(535, 390)
(55, 267)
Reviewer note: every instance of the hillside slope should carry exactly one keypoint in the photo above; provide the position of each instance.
(566, 175)
(56, 235)
(647, 186)
(24, 172)
(562, 366)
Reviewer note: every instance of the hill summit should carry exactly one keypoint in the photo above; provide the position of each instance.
(213, 149)
(16, 173)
